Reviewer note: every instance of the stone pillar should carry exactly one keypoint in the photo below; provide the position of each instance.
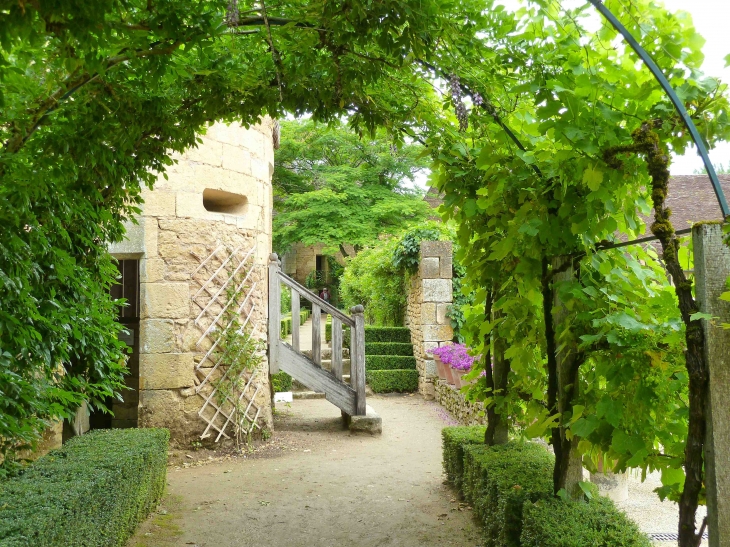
(712, 268)
(429, 298)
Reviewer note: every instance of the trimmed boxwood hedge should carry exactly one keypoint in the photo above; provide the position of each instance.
(510, 488)
(453, 440)
(281, 381)
(389, 362)
(388, 334)
(497, 482)
(92, 492)
(598, 523)
(389, 348)
(387, 381)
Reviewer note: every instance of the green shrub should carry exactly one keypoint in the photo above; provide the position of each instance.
(598, 523)
(453, 440)
(388, 334)
(498, 480)
(281, 381)
(92, 492)
(387, 381)
(372, 280)
(389, 362)
(328, 331)
(388, 348)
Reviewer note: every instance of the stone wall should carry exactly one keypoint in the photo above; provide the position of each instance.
(465, 412)
(429, 298)
(177, 229)
(301, 260)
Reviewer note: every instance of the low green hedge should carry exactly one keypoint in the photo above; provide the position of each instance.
(387, 381)
(453, 440)
(281, 381)
(389, 362)
(510, 487)
(497, 482)
(389, 348)
(388, 334)
(598, 523)
(92, 492)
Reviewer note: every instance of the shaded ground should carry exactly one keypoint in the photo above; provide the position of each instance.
(316, 484)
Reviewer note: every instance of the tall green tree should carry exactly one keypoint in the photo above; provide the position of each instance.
(337, 188)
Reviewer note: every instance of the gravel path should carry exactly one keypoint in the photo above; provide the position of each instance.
(652, 515)
(316, 484)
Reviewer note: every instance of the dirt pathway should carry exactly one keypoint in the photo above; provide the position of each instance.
(319, 485)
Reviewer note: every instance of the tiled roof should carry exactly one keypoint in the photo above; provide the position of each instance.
(692, 199)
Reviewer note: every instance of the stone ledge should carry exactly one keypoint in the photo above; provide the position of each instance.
(467, 413)
(370, 423)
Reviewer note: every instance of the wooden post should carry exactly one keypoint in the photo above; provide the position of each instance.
(274, 312)
(337, 347)
(316, 334)
(357, 357)
(295, 319)
(712, 268)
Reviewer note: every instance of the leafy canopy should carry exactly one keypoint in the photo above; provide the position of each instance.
(336, 188)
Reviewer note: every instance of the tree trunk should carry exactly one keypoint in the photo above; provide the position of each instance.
(501, 377)
(562, 380)
(489, 375)
(646, 142)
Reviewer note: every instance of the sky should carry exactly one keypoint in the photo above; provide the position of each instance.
(712, 21)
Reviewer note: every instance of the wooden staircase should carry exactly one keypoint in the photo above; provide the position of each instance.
(309, 369)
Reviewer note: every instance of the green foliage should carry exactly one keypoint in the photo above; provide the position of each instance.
(388, 334)
(335, 187)
(389, 362)
(388, 381)
(281, 381)
(95, 99)
(461, 300)
(407, 254)
(389, 348)
(453, 441)
(557, 523)
(372, 280)
(497, 482)
(93, 491)
(519, 210)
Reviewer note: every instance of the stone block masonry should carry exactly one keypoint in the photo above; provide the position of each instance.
(176, 230)
(429, 297)
(465, 412)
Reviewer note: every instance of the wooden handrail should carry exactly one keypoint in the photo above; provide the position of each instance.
(314, 299)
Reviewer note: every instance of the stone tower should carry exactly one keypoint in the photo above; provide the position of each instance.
(211, 212)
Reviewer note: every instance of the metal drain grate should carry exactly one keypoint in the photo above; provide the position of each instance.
(669, 537)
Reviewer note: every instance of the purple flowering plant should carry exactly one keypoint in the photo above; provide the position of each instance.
(456, 356)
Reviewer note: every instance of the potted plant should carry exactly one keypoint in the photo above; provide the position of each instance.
(457, 362)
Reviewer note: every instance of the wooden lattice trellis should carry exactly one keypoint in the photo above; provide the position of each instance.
(224, 280)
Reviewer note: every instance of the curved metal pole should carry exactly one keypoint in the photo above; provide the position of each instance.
(659, 75)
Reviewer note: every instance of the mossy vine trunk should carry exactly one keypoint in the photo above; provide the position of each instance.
(646, 143)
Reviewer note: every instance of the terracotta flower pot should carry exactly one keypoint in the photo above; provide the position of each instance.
(458, 378)
(450, 376)
(441, 367)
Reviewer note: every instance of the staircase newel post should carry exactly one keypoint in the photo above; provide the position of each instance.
(357, 358)
(274, 312)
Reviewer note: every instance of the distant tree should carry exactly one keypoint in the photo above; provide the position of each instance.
(720, 169)
(336, 188)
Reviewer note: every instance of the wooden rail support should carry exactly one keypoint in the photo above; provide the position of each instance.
(289, 358)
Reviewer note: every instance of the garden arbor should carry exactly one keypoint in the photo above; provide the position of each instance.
(539, 213)
(95, 100)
